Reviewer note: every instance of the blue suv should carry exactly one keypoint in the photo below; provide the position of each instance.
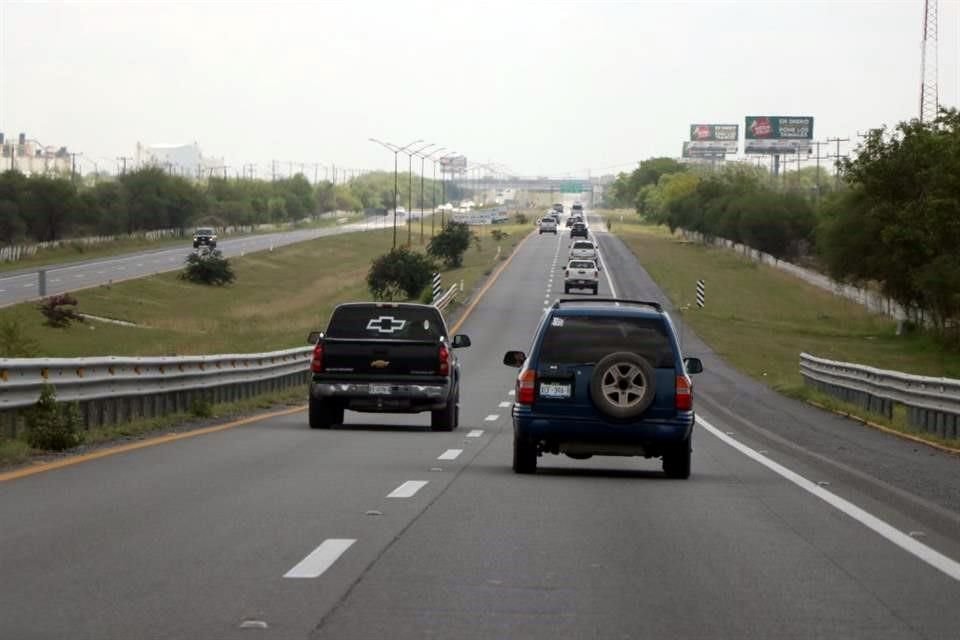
(604, 377)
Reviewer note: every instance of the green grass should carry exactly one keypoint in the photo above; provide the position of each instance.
(13, 452)
(760, 319)
(277, 299)
(75, 252)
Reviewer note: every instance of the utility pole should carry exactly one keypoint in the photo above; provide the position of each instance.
(73, 167)
(273, 175)
(929, 92)
(837, 156)
(818, 158)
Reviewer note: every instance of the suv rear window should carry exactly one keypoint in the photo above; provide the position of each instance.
(587, 339)
(582, 264)
(583, 244)
(402, 323)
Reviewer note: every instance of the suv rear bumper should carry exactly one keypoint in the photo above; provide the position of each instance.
(648, 437)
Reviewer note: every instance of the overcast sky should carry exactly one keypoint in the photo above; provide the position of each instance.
(542, 87)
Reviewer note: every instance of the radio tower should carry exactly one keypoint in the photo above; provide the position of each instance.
(929, 99)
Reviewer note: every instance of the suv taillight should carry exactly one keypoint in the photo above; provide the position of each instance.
(443, 365)
(316, 365)
(684, 397)
(526, 386)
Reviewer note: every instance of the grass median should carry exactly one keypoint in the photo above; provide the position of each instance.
(74, 251)
(760, 319)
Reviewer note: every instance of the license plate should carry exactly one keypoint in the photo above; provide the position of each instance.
(554, 390)
(380, 389)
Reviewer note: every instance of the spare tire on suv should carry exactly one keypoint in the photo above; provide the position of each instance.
(623, 385)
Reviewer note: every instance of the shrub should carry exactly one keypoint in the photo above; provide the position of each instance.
(60, 310)
(208, 267)
(53, 426)
(520, 218)
(13, 342)
(401, 272)
(450, 244)
(201, 408)
(498, 235)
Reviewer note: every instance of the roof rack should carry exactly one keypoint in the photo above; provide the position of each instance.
(644, 303)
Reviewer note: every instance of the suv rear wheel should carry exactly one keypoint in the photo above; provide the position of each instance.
(676, 461)
(622, 385)
(524, 454)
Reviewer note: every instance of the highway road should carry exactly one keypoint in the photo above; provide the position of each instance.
(794, 524)
(23, 286)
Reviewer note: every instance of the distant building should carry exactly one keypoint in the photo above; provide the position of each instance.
(32, 158)
(178, 159)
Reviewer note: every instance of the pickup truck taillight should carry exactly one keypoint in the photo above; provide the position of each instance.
(526, 386)
(566, 274)
(316, 365)
(596, 274)
(443, 366)
(684, 396)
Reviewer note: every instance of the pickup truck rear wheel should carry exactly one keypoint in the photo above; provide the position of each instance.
(446, 419)
(324, 415)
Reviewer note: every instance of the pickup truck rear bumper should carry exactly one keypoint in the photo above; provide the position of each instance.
(371, 397)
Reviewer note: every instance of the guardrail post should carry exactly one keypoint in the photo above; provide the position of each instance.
(42, 282)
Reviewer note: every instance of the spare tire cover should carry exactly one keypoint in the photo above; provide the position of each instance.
(623, 385)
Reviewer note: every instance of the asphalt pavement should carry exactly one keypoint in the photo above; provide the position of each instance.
(382, 528)
(25, 285)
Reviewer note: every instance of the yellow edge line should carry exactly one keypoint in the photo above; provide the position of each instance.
(112, 451)
(173, 437)
(880, 427)
(490, 283)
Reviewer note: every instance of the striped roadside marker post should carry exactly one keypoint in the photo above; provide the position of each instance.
(437, 288)
(701, 294)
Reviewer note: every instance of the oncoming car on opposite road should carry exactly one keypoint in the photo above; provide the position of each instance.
(604, 377)
(205, 236)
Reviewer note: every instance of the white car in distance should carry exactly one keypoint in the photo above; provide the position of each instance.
(583, 250)
(581, 274)
(548, 225)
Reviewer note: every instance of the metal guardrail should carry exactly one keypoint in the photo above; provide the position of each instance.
(933, 404)
(113, 389)
(444, 301)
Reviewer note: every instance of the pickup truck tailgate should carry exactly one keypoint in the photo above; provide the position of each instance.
(376, 357)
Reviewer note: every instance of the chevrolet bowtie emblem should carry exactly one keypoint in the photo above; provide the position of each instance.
(379, 364)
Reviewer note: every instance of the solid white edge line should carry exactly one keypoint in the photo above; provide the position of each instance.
(408, 489)
(450, 454)
(492, 417)
(320, 559)
(475, 433)
(932, 557)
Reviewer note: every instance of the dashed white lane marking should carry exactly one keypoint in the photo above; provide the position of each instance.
(55, 280)
(320, 559)
(932, 557)
(408, 489)
(100, 273)
(450, 454)
(491, 418)
(505, 404)
(28, 285)
(80, 275)
(3, 290)
(475, 433)
(512, 392)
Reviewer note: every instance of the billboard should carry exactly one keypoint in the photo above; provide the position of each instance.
(778, 134)
(453, 164)
(714, 137)
(703, 150)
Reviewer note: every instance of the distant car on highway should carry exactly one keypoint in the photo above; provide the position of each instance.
(576, 209)
(558, 207)
(579, 230)
(204, 236)
(385, 358)
(548, 225)
(604, 377)
(583, 250)
(581, 274)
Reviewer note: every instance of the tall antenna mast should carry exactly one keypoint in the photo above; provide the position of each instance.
(929, 97)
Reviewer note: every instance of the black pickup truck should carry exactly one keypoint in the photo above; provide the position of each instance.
(385, 358)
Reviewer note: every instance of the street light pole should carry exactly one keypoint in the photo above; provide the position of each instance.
(423, 159)
(396, 180)
(410, 155)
